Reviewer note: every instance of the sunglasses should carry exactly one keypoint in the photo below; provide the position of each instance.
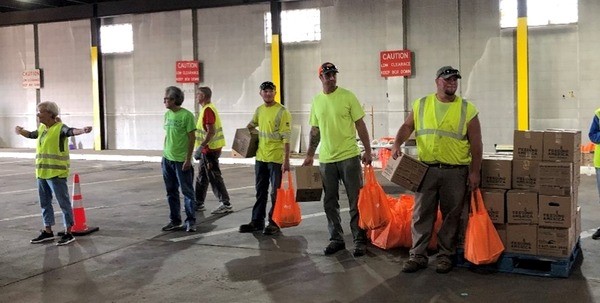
(449, 72)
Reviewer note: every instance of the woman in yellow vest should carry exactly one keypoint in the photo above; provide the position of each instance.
(448, 137)
(52, 168)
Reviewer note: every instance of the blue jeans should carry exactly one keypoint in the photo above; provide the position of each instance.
(176, 177)
(59, 187)
(349, 172)
(265, 173)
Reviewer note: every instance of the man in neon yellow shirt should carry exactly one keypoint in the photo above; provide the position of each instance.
(336, 117)
(448, 137)
(177, 169)
(52, 168)
(272, 157)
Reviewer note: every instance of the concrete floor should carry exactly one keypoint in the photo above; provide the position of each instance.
(131, 260)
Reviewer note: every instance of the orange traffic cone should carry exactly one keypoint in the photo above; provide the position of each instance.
(80, 227)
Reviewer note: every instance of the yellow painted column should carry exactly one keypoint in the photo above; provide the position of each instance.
(522, 68)
(275, 67)
(96, 99)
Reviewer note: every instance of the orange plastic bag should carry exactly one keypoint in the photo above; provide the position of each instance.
(373, 209)
(482, 242)
(287, 211)
(389, 236)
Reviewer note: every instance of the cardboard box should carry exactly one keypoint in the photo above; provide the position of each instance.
(521, 239)
(405, 171)
(528, 145)
(556, 242)
(309, 185)
(557, 178)
(587, 159)
(562, 145)
(521, 207)
(245, 142)
(494, 200)
(496, 172)
(525, 174)
(557, 211)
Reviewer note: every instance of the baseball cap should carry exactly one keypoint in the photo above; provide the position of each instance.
(447, 72)
(267, 85)
(327, 67)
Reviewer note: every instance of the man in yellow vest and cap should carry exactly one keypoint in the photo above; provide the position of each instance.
(52, 168)
(272, 157)
(209, 142)
(448, 137)
(594, 136)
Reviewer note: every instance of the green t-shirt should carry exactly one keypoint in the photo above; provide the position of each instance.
(274, 130)
(335, 114)
(177, 127)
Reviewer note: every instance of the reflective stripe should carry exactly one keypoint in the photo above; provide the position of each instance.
(201, 134)
(50, 156)
(273, 136)
(51, 166)
(458, 135)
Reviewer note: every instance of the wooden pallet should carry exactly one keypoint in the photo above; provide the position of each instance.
(528, 264)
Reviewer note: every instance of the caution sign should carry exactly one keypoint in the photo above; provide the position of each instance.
(32, 78)
(395, 63)
(187, 72)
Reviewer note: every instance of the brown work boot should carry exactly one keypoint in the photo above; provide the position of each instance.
(444, 265)
(414, 263)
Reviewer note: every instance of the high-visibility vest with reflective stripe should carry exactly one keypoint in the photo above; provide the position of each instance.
(52, 153)
(218, 140)
(597, 147)
(271, 133)
(444, 141)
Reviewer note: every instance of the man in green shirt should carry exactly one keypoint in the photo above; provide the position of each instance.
(177, 167)
(272, 157)
(336, 117)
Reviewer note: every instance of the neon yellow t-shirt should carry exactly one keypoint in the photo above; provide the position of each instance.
(335, 114)
(177, 126)
(274, 130)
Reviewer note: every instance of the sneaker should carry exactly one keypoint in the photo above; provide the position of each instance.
(171, 226)
(65, 239)
(444, 265)
(271, 229)
(190, 227)
(596, 235)
(223, 209)
(251, 227)
(360, 249)
(200, 207)
(414, 264)
(43, 237)
(334, 247)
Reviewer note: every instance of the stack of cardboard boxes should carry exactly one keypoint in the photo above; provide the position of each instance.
(532, 196)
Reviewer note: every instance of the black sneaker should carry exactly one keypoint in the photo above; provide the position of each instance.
(251, 227)
(65, 239)
(360, 249)
(43, 237)
(271, 229)
(334, 247)
(171, 226)
(596, 235)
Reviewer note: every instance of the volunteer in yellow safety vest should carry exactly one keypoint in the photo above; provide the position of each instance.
(448, 137)
(209, 142)
(52, 168)
(272, 157)
(594, 136)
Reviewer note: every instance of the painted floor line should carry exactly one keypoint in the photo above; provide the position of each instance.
(235, 229)
(37, 215)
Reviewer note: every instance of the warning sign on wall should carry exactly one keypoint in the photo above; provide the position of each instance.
(187, 72)
(395, 63)
(32, 78)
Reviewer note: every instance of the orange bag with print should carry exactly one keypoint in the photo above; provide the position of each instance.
(389, 236)
(373, 209)
(482, 242)
(287, 211)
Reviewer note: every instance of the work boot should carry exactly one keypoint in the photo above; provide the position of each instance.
(414, 263)
(596, 235)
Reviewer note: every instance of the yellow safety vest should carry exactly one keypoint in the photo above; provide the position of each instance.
(52, 153)
(446, 141)
(218, 140)
(597, 147)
